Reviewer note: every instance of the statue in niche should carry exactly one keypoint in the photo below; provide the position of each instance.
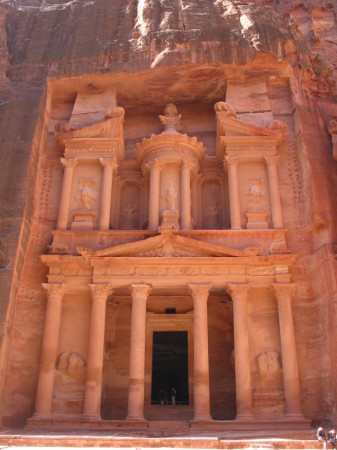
(129, 215)
(87, 196)
(171, 119)
(171, 198)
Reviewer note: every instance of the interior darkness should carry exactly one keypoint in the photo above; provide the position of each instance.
(170, 367)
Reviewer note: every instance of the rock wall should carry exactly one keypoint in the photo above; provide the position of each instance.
(268, 59)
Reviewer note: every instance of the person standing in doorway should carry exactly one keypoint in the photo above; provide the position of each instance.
(173, 396)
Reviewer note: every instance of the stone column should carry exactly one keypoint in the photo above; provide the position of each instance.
(200, 293)
(154, 196)
(274, 191)
(109, 164)
(243, 383)
(144, 202)
(50, 341)
(284, 294)
(222, 198)
(195, 200)
(234, 193)
(93, 385)
(62, 219)
(185, 196)
(140, 293)
(200, 199)
(116, 205)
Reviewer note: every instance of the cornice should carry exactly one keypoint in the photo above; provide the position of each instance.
(169, 145)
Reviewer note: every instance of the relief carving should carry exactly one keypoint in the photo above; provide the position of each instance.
(87, 196)
(171, 198)
(225, 107)
(256, 192)
(129, 215)
(171, 119)
(72, 365)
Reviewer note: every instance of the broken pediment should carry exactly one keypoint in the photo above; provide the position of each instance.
(166, 245)
(101, 135)
(233, 132)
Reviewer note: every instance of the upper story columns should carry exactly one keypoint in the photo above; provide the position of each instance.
(170, 159)
(250, 156)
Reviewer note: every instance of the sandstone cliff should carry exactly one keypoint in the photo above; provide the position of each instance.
(221, 45)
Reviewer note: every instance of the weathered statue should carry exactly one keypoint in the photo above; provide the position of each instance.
(171, 198)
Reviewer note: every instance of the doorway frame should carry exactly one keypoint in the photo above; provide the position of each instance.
(168, 322)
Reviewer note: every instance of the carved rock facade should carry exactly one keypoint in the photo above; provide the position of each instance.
(198, 209)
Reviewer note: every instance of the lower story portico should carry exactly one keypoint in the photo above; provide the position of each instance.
(124, 327)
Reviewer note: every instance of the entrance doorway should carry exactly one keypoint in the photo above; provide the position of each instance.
(170, 367)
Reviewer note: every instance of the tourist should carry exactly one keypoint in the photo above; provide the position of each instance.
(321, 436)
(332, 438)
(173, 396)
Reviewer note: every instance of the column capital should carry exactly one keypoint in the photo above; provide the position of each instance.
(69, 162)
(153, 164)
(271, 159)
(232, 160)
(101, 290)
(112, 162)
(140, 290)
(188, 165)
(199, 290)
(237, 290)
(284, 290)
(54, 289)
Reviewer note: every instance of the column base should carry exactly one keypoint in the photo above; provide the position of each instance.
(202, 419)
(294, 417)
(92, 417)
(135, 419)
(244, 417)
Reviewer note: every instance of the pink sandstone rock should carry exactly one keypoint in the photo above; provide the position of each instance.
(168, 168)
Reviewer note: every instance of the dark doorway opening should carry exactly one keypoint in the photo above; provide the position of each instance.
(170, 367)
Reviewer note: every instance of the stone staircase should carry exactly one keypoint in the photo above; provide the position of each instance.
(162, 413)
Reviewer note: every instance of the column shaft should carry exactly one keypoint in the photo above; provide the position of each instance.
(244, 406)
(185, 195)
(154, 196)
(234, 194)
(201, 361)
(140, 293)
(274, 191)
(194, 207)
(62, 219)
(116, 206)
(284, 294)
(93, 386)
(104, 216)
(50, 340)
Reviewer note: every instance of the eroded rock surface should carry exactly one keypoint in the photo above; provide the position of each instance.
(67, 61)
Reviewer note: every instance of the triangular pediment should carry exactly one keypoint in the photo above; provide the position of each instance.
(165, 245)
(229, 126)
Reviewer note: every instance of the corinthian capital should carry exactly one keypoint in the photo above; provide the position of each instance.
(101, 291)
(237, 290)
(66, 162)
(232, 160)
(54, 289)
(199, 291)
(284, 290)
(272, 160)
(109, 162)
(140, 291)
